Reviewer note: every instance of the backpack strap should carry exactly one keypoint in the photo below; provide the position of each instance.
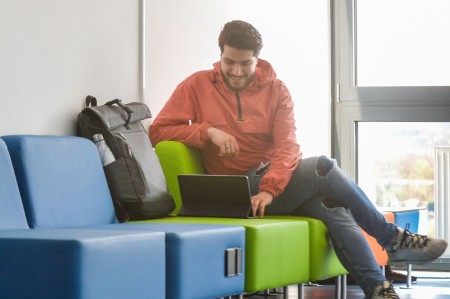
(90, 101)
(118, 102)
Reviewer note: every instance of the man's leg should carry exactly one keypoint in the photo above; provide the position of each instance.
(402, 246)
(320, 175)
(350, 245)
(303, 197)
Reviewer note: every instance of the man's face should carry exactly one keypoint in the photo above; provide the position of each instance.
(238, 67)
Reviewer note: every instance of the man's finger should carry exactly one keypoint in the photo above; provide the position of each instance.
(261, 208)
(254, 208)
(224, 149)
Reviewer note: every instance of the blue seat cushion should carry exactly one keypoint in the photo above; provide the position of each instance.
(195, 254)
(87, 264)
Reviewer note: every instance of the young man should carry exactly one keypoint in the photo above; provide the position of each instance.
(241, 118)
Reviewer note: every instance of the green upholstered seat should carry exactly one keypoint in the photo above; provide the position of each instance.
(323, 260)
(277, 250)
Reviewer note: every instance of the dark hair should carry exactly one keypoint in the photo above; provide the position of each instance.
(240, 35)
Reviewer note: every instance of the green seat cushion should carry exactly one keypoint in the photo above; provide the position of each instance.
(323, 260)
(177, 158)
(277, 250)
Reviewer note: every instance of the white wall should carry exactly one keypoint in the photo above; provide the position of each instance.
(53, 53)
(181, 38)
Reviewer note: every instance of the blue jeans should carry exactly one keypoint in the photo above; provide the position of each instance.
(320, 189)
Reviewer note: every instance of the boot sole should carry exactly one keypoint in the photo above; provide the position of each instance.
(418, 262)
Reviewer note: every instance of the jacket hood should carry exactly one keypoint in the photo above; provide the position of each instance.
(264, 74)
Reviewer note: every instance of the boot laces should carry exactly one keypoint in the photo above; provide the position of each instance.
(388, 292)
(410, 240)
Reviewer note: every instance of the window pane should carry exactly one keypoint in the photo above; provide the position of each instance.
(396, 163)
(402, 42)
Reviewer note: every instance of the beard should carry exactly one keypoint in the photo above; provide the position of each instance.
(239, 83)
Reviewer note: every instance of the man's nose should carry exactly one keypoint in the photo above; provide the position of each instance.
(237, 70)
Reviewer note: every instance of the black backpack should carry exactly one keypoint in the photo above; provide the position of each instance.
(135, 179)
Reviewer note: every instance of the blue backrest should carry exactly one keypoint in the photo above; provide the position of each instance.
(407, 219)
(61, 181)
(12, 215)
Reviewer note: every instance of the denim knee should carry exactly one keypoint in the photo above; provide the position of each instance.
(324, 165)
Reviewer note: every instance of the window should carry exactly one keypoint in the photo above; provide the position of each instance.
(396, 163)
(390, 82)
(408, 46)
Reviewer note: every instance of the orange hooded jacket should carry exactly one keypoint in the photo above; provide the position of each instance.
(266, 133)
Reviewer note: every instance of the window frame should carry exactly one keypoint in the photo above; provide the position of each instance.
(352, 104)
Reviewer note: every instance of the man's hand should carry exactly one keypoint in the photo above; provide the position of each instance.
(260, 201)
(227, 143)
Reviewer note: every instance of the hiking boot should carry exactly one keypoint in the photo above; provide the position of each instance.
(409, 248)
(384, 290)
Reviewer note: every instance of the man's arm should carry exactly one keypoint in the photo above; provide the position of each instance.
(284, 158)
(174, 120)
(286, 153)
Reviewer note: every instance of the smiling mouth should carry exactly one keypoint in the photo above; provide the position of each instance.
(236, 82)
(236, 79)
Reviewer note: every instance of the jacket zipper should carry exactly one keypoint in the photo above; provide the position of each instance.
(239, 107)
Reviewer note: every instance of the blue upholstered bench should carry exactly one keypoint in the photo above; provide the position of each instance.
(62, 185)
(73, 263)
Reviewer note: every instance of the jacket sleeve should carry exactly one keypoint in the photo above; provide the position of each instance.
(286, 153)
(174, 120)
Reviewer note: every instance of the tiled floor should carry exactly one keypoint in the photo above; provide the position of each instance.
(429, 285)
